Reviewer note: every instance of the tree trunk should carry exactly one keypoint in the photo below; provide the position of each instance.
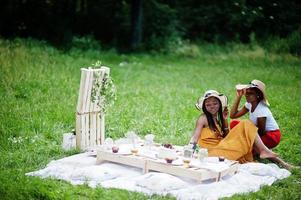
(136, 23)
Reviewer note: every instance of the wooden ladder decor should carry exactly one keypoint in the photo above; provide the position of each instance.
(90, 119)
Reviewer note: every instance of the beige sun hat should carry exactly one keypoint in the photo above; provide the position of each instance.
(258, 84)
(212, 93)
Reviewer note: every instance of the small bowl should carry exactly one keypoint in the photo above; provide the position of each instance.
(115, 149)
(221, 158)
(168, 146)
(169, 160)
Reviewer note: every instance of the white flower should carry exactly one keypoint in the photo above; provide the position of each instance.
(16, 140)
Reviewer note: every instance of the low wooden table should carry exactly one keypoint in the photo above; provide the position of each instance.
(149, 164)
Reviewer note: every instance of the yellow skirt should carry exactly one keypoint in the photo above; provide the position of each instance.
(237, 145)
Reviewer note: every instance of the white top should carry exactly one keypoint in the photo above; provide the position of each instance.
(262, 110)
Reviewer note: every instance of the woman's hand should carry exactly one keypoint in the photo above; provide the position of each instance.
(240, 93)
(200, 123)
(193, 141)
(225, 118)
(225, 113)
(234, 112)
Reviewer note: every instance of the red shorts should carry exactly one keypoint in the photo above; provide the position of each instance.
(271, 139)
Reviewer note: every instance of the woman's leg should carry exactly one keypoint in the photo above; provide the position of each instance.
(263, 151)
(282, 163)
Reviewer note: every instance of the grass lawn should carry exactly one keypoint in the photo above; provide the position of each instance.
(155, 93)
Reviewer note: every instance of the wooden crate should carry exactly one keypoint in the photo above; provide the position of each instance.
(148, 164)
(90, 121)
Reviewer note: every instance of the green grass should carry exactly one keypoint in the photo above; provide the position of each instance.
(155, 93)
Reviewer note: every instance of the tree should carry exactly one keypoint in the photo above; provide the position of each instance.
(136, 23)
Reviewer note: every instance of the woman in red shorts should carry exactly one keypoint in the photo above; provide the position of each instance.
(259, 113)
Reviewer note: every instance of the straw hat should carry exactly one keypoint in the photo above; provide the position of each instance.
(258, 84)
(211, 93)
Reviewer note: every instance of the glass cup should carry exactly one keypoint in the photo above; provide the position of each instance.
(108, 143)
(186, 162)
(187, 155)
(149, 140)
(203, 153)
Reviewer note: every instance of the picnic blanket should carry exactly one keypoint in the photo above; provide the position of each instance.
(82, 169)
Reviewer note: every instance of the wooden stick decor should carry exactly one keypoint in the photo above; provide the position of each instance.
(90, 116)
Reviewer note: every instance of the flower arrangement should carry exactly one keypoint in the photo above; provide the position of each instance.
(103, 89)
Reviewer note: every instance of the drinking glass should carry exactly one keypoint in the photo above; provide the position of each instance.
(203, 153)
(149, 140)
(188, 152)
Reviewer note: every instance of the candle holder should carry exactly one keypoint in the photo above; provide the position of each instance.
(134, 151)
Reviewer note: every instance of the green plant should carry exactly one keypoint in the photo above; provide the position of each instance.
(294, 42)
(85, 43)
(183, 48)
(289, 45)
(103, 89)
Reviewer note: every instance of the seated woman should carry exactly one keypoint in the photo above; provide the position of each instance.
(212, 132)
(258, 108)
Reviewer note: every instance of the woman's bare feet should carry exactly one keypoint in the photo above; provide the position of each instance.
(287, 166)
(264, 152)
(283, 164)
(267, 154)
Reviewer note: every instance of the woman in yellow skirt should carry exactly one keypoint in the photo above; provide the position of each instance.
(212, 132)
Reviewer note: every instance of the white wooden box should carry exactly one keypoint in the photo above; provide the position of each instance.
(90, 121)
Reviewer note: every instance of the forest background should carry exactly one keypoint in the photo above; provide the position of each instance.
(155, 25)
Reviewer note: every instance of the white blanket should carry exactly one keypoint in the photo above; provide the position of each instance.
(81, 168)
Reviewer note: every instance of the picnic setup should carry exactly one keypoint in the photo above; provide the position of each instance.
(177, 161)
(139, 163)
(153, 99)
